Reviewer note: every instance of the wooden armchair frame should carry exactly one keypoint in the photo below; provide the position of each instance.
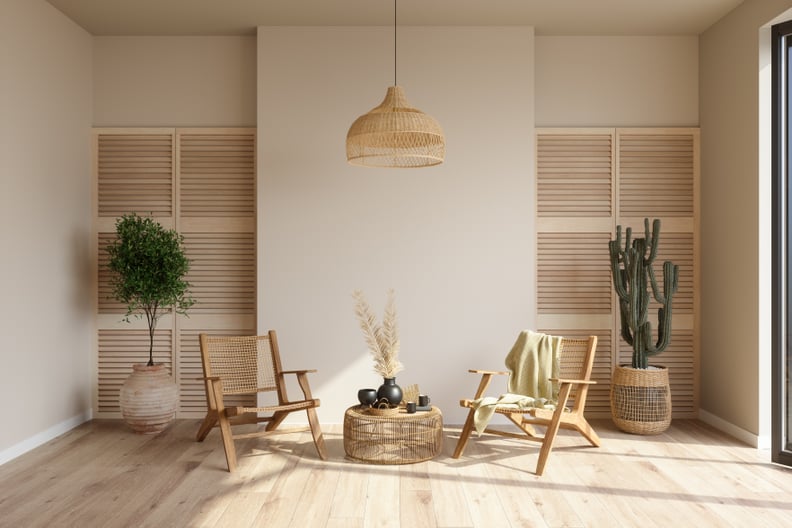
(576, 363)
(239, 365)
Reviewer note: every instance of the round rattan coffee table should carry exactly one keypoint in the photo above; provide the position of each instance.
(397, 438)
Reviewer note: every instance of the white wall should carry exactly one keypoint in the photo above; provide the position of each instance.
(45, 215)
(735, 224)
(174, 81)
(616, 81)
(455, 241)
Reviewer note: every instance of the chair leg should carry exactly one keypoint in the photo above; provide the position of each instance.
(552, 430)
(276, 420)
(588, 432)
(316, 431)
(228, 441)
(208, 423)
(463, 438)
(225, 425)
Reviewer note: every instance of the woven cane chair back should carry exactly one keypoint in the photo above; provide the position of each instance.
(576, 359)
(245, 363)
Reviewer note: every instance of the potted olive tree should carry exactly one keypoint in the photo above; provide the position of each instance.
(640, 393)
(147, 267)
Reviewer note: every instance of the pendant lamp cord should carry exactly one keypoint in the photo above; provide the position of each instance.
(394, 43)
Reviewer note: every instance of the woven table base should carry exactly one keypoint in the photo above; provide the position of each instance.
(399, 438)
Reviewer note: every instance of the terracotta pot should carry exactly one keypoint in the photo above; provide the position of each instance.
(149, 399)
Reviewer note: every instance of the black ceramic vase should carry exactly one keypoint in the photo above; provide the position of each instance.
(390, 391)
(367, 396)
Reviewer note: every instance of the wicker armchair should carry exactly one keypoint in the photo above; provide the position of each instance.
(576, 362)
(248, 365)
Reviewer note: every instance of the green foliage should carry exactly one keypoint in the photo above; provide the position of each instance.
(632, 272)
(148, 266)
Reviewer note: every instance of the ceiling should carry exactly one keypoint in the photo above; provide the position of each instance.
(548, 17)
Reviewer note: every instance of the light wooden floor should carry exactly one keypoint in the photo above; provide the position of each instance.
(101, 475)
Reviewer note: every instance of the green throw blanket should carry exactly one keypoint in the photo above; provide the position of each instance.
(532, 360)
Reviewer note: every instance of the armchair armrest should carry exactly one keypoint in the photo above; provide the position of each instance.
(574, 381)
(302, 380)
(486, 377)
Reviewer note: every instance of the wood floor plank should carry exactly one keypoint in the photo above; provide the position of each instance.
(243, 509)
(349, 496)
(448, 494)
(382, 501)
(101, 474)
(415, 509)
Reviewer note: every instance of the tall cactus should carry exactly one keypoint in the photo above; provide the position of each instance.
(631, 268)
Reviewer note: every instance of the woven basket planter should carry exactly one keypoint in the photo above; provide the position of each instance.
(641, 400)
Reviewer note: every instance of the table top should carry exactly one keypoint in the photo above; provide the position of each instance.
(361, 411)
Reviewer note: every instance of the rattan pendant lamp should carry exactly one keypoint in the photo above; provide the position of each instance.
(394, 134)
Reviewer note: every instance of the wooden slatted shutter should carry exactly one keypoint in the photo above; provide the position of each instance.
(202, 183)
(658, 177)
(589, 181)
(575, 175)
(217, 216)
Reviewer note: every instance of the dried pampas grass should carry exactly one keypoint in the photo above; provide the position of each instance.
(382, 340)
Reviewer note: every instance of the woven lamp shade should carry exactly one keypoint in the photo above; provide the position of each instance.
(394, 134)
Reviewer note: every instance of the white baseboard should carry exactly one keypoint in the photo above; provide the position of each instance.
(753, 440)
(43, 437)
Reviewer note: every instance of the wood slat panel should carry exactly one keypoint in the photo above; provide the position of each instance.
(574, 175)
(106, 303)
(222, 272)
(656, 174)
(214, 172)
(134, 174)
(573, 273)
(217, 175)
(653, 174)
(118, 351)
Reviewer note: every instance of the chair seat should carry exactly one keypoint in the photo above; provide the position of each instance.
(290, 406)
(512, 409)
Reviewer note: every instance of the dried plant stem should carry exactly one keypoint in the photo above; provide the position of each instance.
(382, 340)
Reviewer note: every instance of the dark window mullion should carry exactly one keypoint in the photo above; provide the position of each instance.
(781, 296)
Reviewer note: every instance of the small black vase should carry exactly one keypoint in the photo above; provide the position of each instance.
(367, 397)
(390, 391)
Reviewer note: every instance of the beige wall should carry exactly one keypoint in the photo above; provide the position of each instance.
(455, 241)
(45, 215)
(616, 81)
(735, 362)
(174, 81)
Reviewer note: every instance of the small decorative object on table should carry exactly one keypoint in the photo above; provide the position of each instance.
(381, 407)
(367, 396)
(383, 343)
(411, 393)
